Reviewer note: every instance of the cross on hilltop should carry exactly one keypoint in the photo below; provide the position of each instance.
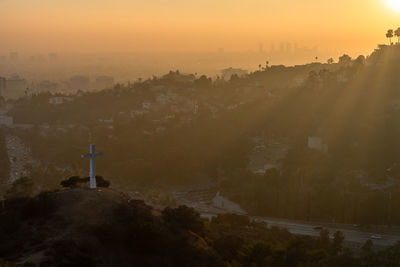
(92, 156)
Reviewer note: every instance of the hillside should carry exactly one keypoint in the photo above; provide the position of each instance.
(82, 227)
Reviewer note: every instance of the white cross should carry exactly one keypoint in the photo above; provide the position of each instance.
(92, 155)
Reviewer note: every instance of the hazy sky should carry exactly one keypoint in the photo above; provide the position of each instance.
(192, 25)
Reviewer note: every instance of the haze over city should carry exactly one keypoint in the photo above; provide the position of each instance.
(200, 133)
(132, 39)
(191, 26)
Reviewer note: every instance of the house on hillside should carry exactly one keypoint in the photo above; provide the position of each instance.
(15, 87)
(342, 77)
(103, 82)
(227, 73)
(58, 100)
(162, 99)
(6, 120)
(47, 86)
(136, 113)
(225, 204)
(317, 143)
(146, 105)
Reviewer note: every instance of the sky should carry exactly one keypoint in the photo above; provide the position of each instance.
(193, 25)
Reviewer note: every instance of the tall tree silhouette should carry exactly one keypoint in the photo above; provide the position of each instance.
(397, 34)
(389, 35)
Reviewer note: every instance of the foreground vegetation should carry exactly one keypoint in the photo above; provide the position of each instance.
(81, 227)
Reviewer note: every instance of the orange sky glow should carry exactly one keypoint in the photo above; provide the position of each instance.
(184, 25)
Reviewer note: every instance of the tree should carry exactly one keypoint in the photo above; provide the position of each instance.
(367, 254)
(183, 218)
(344, 60)
(258, 254)
(330, 61)
(367, 247)
(397, 34)
(324, 239)
(337, 245)
(389, 35)
(75, 181)
(360, 60)
(228, 246)
(313, 78)
(234, 78)
(203, 82)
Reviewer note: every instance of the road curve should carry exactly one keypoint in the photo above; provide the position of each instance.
(356, 237)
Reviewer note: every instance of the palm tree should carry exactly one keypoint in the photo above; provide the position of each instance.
(389, 35)
(397, 34)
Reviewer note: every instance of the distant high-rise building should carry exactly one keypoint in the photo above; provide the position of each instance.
(282, 47)
(103, 82)
(15, 87)
(2, 85)
(41, 58)
(53, 57)
(296, 47)
(79, 82)
(63, 86)
(288, 47)
(47, 86)
(261, 48)
(14, 56)
(272, 48)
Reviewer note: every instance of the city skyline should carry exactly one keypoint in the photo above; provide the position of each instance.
(161, 26)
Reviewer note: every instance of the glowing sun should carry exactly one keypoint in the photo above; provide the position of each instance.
(393, 4)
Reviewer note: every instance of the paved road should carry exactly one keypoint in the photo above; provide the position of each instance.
(354, 238)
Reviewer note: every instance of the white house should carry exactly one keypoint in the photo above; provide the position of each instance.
(233, 106)
(162, 99)
(227, 73)
(342, 77)
(107, 121)
(317, 144)
(146, 105)
(58, 100)
(227, 205)
(6, 120)
(156, 87)
(135, 113)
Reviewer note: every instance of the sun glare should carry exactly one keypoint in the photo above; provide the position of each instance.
(393, 4)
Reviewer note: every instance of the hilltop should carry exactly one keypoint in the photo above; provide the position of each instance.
(82, 227)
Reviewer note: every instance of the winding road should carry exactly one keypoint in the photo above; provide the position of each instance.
(353, 238)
